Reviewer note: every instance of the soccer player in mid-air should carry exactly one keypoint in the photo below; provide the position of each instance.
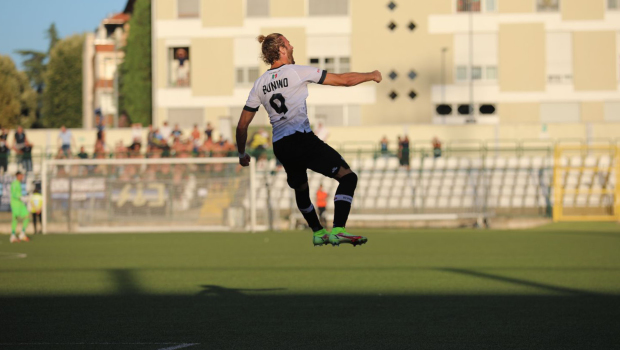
(18, 209)
(283, 90)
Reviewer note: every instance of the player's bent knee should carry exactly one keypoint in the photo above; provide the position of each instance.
(350, 179)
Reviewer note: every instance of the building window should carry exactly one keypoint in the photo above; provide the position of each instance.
(491, 73)
(491, 6)
(332, 64)
(328, 7)
(467, 5)
(246, 75)
(548, 5)
(613, 4)
(559, 58)
(461, 73)
(109, 68)
(476, 73)
(107, 103)
(179, 58)
(345, 65)
(257, 8)
(188, 8)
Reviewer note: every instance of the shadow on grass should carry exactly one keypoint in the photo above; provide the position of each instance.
(346, 321)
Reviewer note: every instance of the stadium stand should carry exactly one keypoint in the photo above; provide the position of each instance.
(461, 186)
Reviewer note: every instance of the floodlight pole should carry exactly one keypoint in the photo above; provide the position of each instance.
(443, 75)
(471, 63)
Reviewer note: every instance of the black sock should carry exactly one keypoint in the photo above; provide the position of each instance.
(302, 196)
(344, 198)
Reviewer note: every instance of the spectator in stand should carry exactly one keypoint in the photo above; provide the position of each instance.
(100, 148)
(321, 132)
(165, 131)
(150, 139)
(19, 142)
(5, 151)
(26, 157)
(384, 147)
(259, 144)
(177, 133)
(82, 154)
(399, 154)
(321, 203)
(85, 169)
(209, 131)
(66, 140)
(124, 121)
(436, 147)
(405, 152)
(195, 139)
(100, 125)
(207, 147)
(195, 133)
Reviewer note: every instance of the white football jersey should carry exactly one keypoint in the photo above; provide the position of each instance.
(283, 92)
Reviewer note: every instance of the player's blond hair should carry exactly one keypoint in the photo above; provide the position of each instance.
(270, 46)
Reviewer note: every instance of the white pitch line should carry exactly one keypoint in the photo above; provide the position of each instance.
(180, 346)
(7, 256)
(173, 347)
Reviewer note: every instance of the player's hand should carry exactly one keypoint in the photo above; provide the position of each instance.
(244, 160)
(377, 76)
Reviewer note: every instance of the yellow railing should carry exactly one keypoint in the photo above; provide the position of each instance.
(560, 190)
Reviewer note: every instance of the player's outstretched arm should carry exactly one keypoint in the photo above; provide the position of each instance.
(242, 135)
(351, 79)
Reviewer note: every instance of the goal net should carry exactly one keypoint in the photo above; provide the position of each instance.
(148, 195)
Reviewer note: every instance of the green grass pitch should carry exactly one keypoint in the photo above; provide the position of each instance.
(555, 287)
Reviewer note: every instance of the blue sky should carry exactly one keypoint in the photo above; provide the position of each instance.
(23, 22)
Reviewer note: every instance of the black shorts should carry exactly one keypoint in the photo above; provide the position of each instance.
(302, 151)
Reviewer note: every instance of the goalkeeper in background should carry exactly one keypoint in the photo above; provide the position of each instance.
(18, 209)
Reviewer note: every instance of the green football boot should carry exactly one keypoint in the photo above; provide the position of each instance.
(323, 237)
(344, 237)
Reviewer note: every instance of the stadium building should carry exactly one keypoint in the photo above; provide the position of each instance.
(538, 63)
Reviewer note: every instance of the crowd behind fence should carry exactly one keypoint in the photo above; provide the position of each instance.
(166, 142)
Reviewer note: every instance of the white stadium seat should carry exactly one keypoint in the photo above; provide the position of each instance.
(431, 202)
(442, 202)
(530, 202)
(504, 202)
(455, 202)
(392, 163)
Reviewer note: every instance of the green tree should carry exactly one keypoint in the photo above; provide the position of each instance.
(35, 63)
(62, 97)
(18, 101)
(52, 35)
(135, 83)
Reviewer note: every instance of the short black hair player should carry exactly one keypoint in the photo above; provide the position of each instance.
(283, 90)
